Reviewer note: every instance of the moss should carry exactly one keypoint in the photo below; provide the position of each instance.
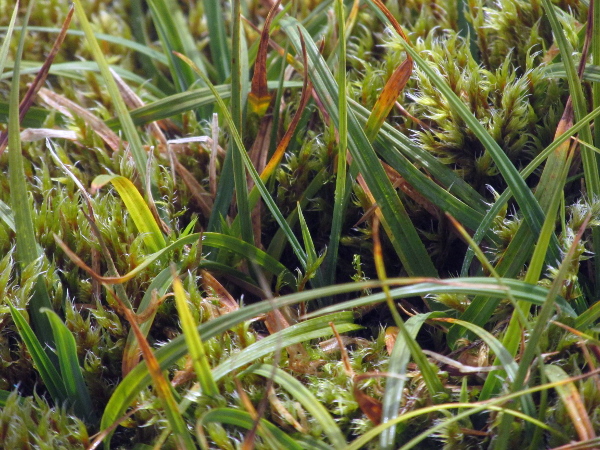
(499, 74)
(29, 422)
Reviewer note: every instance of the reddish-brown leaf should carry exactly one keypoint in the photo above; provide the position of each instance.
(388, 97)
(40, 77)
(368, 405)
(287, 137)
(259, 96)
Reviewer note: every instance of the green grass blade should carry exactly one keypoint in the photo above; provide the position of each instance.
(131, 351)
(300, 332)
(401, 231)
(219, 241)
(273, 436)
(588, 317)
(309, 245)
(27, 249)
(193, 341)
(224, 197)
(572, 400)
(127, 43)
(75, 70)
(135, 143)
(26, 243)
(467, 215)
(167, 355)
(588, 158)
(8, 37)
(268, 199)
(591, 72)
(178, 103)
(394, 386)
(500, 203)
(528, 204)
(596, 62)
(34, 118)
(306, 398)
(7, 216)
(239, 174)
(541, 324)
(218, 42)
(66, 349)
(174, 36)
(137, 208)
(489, 287)
(388, 135)
(48, 372)
(341, 196)
(148, 64)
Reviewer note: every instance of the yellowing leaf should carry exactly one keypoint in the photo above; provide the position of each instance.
(137, 208)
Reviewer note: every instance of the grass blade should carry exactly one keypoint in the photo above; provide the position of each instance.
(239, 174)
(541, 324)
(309, 245)
(7, 38)
(216, 240)
(127, 43)
(137, 208)
(401, 231)
(171, 29)
(394, 386)
(342, 181)
(242, 419)
(66, 349)
(167, 355)
(131, 134)
(184, 101)
(571, 398)
(45, 367)
(193, 341)
(163, 388)
(298, 391)
(220, 51)
(26, 244)
(492, 288)
(27, 250)
(528, 204)
(268, 199)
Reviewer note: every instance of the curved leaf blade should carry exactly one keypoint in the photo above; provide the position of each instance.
(137, 208)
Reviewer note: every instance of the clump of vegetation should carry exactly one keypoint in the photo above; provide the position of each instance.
(319, 224)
